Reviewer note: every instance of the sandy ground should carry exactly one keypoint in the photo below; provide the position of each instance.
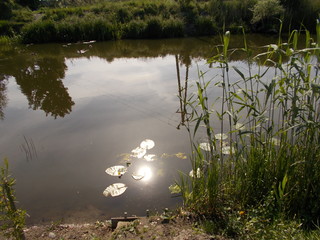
(155, 227)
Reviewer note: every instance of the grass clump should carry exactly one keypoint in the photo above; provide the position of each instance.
(256, 148)
(12, 219)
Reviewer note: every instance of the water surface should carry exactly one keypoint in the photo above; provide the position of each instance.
(69, 111)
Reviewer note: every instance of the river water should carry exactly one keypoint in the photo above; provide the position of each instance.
(70, 111)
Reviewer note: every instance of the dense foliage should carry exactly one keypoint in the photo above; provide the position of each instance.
(52, 21)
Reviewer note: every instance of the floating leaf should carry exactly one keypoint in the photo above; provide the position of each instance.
(116, 170)
(137, 176)
(198, 175)
(181, 155)
(165, 155)
(227, 150)
(138, 152)
(115, 189)
(174, 188)
(147, 144)
(275, 141)
(146, 172)
(205, 146)
(224, 144)
(150, 157)
(240, 127)
(220, 136)
(124, 157)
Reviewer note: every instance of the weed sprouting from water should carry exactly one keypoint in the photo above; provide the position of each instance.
(265, 152)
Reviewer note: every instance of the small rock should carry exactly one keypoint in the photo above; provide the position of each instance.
(52, 235)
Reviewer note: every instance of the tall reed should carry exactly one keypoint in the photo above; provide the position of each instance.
(260, 144)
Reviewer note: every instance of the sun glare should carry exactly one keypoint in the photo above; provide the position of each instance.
(146, 172)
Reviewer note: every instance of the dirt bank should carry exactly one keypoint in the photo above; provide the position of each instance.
(155, 227)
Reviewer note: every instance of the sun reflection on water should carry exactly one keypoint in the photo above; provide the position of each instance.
(146, 172)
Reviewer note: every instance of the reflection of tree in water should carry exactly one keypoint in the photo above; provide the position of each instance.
(182, 90)
(42, 85)
(3, 96)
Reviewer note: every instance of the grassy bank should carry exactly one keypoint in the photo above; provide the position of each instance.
(64, 21)
(256, 149)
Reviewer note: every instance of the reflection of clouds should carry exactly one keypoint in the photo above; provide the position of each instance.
(117, 77)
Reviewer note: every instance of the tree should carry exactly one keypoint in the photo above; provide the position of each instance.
(6, 9)
(32, 4)
(265, 10)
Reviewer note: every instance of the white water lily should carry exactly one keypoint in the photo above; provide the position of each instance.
(115, 189)
(150, 157)
(198, 175)
(147, 144)
(221, 136)
(240, 126)
(116, 170)
(227, 150)
(205, 146)
(138, 152)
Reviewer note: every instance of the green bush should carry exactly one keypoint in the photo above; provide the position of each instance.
(123, 15)
(135, 29)
(204, 25)
(9, 28)
(22, 15)
(39, 32)
(264, 10)
(173, 28)
(6, 7)
(154, 27)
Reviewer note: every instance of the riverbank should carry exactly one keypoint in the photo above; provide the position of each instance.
(145, 19)
(154, 227)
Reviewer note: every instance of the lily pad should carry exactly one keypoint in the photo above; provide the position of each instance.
(227, 150)
(116, 170)
(205, 146)
(115, 189)
(150, 157)
(174, 188)
(221, 136)
(240, 127)
(181, 155)
(275, 141)
(147, 144)
(137, 176)
(138, 152)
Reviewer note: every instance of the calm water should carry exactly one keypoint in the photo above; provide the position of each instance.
(69, 112)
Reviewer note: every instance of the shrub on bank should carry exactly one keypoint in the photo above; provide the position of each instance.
(39, 32)
(204, 26)
(173, 28)
(9, 29)
(134, 29)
